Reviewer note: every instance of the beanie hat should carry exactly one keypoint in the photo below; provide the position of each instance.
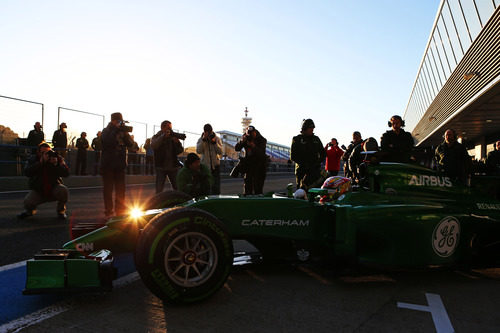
(191, 158)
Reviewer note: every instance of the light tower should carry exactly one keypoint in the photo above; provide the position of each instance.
(245, 121)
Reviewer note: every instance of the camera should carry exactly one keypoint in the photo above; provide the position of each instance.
(180, 136)
(239, 168)
(125, 128)
(52, 153)
(210, 137)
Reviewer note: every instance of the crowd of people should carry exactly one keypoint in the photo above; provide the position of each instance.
(200, 173)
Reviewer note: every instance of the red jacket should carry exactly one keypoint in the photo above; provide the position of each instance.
(333, 155)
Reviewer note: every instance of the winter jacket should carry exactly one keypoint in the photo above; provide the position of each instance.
(60, 139)
(44, 176)
(166, 149)
(114, 148)
(194, 183)
(333, 155)
(210, 152)
(397, 146)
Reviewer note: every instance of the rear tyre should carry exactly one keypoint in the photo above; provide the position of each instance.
(184, 255)
(166, 199)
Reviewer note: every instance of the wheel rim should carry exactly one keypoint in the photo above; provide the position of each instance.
(190, 259)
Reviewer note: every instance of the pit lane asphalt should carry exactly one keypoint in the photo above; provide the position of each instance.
(256, 298)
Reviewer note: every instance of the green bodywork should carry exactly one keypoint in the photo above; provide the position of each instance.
(406, 216)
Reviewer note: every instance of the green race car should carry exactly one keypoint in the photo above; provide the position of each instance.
(402, 216)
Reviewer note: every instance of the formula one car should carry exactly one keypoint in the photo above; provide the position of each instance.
(402, 216)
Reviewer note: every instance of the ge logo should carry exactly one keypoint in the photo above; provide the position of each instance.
(446, 236)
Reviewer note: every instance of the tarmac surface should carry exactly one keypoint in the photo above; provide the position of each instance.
(257, 297)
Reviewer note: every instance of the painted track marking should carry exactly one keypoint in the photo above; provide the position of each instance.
(437, 310)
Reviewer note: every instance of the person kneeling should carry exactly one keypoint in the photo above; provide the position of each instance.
(45, 170)
(194, 178)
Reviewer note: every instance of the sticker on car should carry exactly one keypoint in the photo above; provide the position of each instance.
(446, 236)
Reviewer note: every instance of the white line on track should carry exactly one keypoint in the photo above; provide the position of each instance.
(12, 266)
(38, 316)
(437, 310)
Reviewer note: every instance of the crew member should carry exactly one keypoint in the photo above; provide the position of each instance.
(45, 170)
(356, 140)
(396, 143)
(493, 160)
(308, 153)
(452, 158)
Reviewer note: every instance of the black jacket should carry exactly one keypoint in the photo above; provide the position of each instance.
(60, 139)
(493, 162)
(44, 176)
(35, 138)
(453, 161)
(166, 149)
(114, 148)
(255, 156)
(397, 146)
(307, 151)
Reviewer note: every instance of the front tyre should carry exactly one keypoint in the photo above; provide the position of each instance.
(184, 255)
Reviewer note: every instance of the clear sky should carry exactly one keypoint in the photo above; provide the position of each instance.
(348, 65)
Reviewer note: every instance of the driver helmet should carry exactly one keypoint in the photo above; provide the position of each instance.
(337, 185)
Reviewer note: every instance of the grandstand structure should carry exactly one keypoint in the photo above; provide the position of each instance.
(276, 151)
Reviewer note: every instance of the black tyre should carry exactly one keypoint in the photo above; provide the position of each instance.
(184, 255)
(167, 199)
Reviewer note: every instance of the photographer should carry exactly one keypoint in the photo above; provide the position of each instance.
(166, 146)
(253, 165)
(45, 170)
(194, 178)
(115, 140)
(209, 145)
(333, 155)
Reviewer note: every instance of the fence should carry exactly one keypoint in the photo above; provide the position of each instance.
(78, 121)
(26, 114)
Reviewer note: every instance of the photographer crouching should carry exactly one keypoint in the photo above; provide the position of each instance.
(166, 146)
(254, 164)
(45, 170)
(115, 140)
(209, 146)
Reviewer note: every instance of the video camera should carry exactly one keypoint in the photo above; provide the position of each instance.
(52, 153)
(125, 128)
(180, 136)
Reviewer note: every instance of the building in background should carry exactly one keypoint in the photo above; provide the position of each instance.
(458, 81)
